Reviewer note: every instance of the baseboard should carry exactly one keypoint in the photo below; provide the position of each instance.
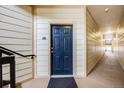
(79, 76)
(59, 76)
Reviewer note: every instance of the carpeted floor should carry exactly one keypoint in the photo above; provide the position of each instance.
(107, 74)
(66, 82)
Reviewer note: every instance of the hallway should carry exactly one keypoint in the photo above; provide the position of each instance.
(63, 41)
(107, 73)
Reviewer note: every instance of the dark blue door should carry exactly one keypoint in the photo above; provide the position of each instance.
(61, 49)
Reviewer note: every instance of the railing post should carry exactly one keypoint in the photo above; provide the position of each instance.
(12, 73)
(1, 82)
(0, 53)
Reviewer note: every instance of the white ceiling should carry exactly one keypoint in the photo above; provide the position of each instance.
(109, 19)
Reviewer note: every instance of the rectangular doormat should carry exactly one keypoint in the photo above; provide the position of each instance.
(64, 82)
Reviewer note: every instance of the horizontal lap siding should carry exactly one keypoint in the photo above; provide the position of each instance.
(46, 16)
(94, 47)
(16, 35)
(120, 36)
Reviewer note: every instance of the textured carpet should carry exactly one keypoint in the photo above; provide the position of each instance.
(66, 82)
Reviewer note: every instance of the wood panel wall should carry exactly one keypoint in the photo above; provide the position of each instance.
(120, 40)
(16, 34)
(94, 43)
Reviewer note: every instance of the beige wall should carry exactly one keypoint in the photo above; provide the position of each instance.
(59, 15)
(94, 42)
(16, 34)
(120, 40)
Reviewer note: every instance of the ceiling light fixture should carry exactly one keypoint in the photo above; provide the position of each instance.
(106, 10)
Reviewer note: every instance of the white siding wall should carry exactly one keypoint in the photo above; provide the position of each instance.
(16, 34)
(47, 16)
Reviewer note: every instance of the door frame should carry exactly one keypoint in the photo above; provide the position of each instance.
(51, 61)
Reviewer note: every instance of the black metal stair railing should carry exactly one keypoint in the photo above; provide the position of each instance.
(9, 52)
(9, 59)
